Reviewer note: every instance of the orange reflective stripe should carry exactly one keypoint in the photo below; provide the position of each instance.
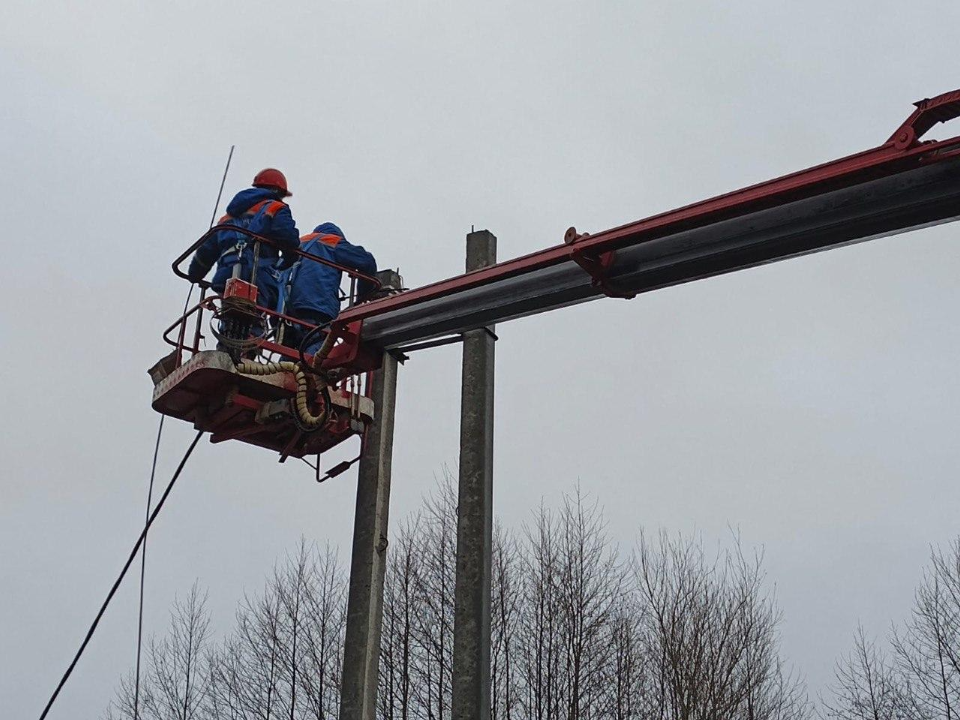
(326, 239)
(253, 210)
(224, 219)
(273, 207)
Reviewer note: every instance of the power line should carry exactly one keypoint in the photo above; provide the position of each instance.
(116, 584)
(143, 564)
(153, 472)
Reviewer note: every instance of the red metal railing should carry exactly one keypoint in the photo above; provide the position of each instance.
(257, 239)
(211, 303)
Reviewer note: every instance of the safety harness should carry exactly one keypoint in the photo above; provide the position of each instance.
(264, 208)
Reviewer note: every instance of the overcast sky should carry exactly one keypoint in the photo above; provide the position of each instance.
(811, 404)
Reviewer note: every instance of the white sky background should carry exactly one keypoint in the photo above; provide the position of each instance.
(810, 404)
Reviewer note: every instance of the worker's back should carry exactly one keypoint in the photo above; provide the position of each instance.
(260, 211)
(314, 288)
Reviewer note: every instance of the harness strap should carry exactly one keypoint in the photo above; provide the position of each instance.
(269, 207)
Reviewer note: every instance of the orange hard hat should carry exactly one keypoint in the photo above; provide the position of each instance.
(272, 178)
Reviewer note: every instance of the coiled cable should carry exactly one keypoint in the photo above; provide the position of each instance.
(307, 418)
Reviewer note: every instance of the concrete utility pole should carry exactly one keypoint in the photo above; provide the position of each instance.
(471, 628)
(361, 654)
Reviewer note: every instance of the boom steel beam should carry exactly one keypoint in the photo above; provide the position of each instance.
(898, 186)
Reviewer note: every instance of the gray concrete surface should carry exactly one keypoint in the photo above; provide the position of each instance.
(361, 653)
(471, 635)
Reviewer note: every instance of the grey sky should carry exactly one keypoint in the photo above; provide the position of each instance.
(810, 404)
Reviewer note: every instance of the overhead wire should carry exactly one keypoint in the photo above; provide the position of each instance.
(143, 554)
(143, 566)
(153, 472)
(120, 577)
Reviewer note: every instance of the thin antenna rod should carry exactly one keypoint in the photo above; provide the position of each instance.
(222, 183)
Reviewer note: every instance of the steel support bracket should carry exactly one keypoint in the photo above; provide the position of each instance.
(929, 112)
(350, 352)
(596, 265)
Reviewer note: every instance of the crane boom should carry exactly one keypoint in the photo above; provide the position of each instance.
(900, 185)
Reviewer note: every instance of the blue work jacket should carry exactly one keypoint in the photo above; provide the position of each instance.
(315, 288)
(261, 211)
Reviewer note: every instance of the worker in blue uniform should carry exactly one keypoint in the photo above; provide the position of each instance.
(313, 289)
(261, 210)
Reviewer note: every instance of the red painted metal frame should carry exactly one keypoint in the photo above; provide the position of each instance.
(348, 353)
(212, 396)
(595, 252)
(236, 416)
(596, 265)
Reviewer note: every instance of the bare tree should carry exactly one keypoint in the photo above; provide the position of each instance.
(591, 585)
(505, 616)
(177, 674)
(322, 654)
(577, 634)
(710, 635)
(867, 686)
(921, 680)
(433, 622)
(927, 649)
(572, 587)
(398, 648)
(123, 707)
(283, 659)
(540, 644)
(417, 634)
(292, 584)
(629, 673)
(176, 682)
(247, 670)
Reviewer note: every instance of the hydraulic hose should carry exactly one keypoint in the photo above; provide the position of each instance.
(321, 354)
(248, 367)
